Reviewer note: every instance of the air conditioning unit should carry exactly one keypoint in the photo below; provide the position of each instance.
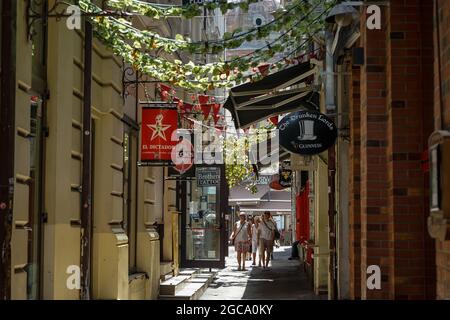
(305, 163)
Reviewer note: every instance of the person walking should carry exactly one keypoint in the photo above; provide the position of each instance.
(250, 221)
(241, 237)
(276, 240)
(266, 238)
(255, 228)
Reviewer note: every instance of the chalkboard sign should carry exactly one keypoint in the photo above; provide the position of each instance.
(207, 176)
(307, 132)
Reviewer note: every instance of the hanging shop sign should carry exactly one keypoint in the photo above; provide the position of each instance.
(275, 183)
(207, 176)
(158, 132)
(307, 132)
(285, 177)
(263, 180)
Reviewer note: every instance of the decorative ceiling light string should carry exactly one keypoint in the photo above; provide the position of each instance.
(230, 41)
(112, 29)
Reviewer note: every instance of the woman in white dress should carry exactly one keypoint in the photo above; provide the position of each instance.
(255, 227)
(241, 236)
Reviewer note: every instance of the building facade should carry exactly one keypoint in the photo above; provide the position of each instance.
(389, 93)
(439, 220)
(134, 210)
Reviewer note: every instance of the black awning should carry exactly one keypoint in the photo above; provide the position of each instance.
(253, 102)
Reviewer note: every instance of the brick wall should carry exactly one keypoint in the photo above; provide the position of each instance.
(442, 121)
(395, 121)
(354, 185)
(410, 90)
(375, 232)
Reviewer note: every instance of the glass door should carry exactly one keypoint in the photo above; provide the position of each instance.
(35, 201)
(203, 222)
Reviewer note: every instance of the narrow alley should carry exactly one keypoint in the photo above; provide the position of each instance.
(144, 144)
(284, 279)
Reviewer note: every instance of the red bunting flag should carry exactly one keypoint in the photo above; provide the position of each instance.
(203, 99)
(216, 108)
(196, 108)
(164, 95)
(187, 107)
(274, 120)
(206, 108)
(264, 69)
(216, 118)
(164, 87)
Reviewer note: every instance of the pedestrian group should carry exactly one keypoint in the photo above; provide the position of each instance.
(253, 235)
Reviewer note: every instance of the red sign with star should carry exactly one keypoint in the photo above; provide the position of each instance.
(159, 125)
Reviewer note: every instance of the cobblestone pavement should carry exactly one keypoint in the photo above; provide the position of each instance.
(283, 280)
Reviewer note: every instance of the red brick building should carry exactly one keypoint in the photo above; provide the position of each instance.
(439, 221)
(391, 96)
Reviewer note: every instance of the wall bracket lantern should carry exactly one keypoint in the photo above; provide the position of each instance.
(439, 219)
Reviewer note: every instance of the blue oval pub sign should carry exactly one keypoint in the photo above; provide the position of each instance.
(307, 132)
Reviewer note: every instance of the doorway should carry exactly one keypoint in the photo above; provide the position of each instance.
(35, 218)
(203, 229)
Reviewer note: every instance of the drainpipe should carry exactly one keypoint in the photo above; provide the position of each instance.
(331, 112)
(7, 136)
(86, 195)
(438, 43)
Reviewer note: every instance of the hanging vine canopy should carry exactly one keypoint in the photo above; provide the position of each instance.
(285, 19)
(238, 168)
(136, 46)
(158, 11)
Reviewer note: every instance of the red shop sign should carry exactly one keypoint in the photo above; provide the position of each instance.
(159, 124)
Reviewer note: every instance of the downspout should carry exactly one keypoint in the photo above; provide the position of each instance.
(438, 44)
(136, 185)
(331, 112)
(86, 195)
(7, 137)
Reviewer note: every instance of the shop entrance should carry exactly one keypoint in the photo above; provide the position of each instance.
(203, 230)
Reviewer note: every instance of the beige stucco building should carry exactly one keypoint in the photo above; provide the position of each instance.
(134, 213)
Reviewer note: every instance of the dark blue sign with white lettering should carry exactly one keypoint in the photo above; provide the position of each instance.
(307, 132)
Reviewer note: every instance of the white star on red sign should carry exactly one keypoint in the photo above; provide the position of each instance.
(158, 129)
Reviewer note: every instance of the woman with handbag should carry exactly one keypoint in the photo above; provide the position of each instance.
(241, 239)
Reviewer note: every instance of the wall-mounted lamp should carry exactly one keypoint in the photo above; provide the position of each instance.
(342, 15)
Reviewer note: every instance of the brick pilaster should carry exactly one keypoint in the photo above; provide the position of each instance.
(354, 184)
(409, 88)
(376, 222)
